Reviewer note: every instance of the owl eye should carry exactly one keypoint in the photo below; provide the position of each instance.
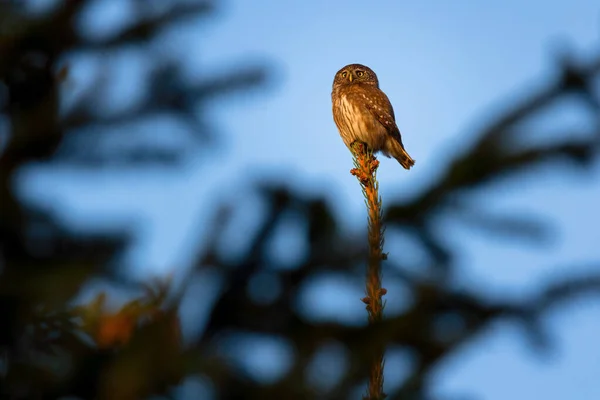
(360, 73)
(344, 74)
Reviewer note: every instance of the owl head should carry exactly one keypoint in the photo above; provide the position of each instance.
(355, 73)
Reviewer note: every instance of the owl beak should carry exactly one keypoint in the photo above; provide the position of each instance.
(350, 77)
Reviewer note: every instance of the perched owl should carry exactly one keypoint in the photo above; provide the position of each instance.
(363, 112)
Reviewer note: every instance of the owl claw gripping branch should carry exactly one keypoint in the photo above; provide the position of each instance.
(363, 112)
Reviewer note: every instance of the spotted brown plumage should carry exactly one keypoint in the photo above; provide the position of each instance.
(363, 112)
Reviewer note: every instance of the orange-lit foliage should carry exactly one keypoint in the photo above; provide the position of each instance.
(113, 329)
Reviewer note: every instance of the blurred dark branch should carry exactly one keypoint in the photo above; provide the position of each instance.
(146, 26)
(478, 167)
(415, 329)
(509, 226)
(573, 78)
(226, 309)
(477, 313)
(566, 289)
(171, 96)
(491, 153)
(494, 156)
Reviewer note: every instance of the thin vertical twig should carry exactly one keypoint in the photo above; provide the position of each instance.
(365, 170)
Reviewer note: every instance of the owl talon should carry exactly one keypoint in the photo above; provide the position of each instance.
(358, 147)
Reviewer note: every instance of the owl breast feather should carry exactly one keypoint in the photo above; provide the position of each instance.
(356, 122)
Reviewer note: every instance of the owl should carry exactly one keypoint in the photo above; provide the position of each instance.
(363, 112)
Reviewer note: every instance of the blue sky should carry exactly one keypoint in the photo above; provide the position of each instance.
(445, 66)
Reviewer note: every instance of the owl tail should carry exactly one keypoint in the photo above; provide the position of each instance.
(396, 149)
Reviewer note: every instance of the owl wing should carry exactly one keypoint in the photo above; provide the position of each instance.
(380, 107)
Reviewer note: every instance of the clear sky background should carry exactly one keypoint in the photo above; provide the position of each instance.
(445, 65)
